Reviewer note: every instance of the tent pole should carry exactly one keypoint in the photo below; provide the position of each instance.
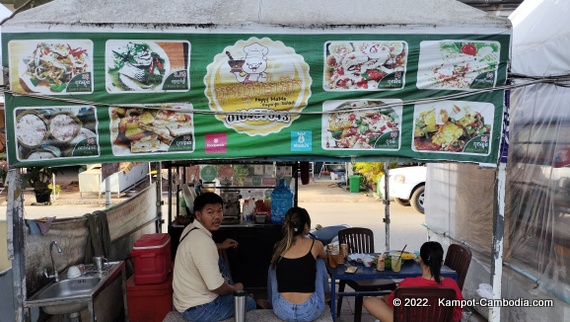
(169, 175)
(498, 240)
(386, 206)
(15, 237)
(159, 202)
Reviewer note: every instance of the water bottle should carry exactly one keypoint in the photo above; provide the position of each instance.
(239, 305)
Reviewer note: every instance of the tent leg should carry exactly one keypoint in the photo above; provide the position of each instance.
(386, 206)
(15, 237)
(498, 240)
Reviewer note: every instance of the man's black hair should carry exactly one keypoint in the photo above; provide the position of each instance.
(207, 198)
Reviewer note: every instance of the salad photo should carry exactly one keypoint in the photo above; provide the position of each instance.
(134, 66)
(458, 65)
(361, 124)
(365, 65)
(53, 67)
(453, 126)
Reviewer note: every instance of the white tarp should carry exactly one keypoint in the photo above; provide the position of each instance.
(541, 38)
(297, 13)
(538, 180)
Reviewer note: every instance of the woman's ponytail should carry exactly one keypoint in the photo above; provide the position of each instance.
(432, 255)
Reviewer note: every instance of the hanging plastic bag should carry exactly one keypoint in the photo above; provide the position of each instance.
(281, 202)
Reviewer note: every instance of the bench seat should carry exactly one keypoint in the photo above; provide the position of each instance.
(255, 315)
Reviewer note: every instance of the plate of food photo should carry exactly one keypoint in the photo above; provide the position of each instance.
(450, 125)
(144, 130)
(137, 66)
(458, 64)
(359, 124)
(51, 66)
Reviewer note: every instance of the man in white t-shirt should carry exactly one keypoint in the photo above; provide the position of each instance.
(201, 292)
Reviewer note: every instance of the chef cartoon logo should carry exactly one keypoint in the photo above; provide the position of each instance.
(259, 84)
(253, 65)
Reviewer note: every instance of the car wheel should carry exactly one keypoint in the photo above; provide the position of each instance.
(417, 200)
(402, 202)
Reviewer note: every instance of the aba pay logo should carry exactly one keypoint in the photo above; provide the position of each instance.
(301, 141)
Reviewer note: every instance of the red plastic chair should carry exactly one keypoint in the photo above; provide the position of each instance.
(458, 258)
(360, 240)
(420, 304)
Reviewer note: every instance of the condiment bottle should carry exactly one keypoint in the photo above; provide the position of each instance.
(380, 264)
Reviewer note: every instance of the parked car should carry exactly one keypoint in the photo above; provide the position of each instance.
(406, 186)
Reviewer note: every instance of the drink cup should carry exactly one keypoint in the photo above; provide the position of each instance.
(239, 305)
(339, 259)
(332, 259)
(344, 250)
(380, 264)
(396, 263)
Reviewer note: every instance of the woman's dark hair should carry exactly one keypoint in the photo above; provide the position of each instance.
(295, 220)
(207, 198)
(432, 255)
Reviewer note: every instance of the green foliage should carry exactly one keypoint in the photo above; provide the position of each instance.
(370, 172)
(39, 177)
(57, 189)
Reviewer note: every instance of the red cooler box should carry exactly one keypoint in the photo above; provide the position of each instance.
(151, 258)
(149, 303)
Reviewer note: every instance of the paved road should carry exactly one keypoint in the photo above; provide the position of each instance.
(327, 203)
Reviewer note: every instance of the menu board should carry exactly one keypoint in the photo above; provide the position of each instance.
(81, 98)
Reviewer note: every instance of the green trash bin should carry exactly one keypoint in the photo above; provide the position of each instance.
(379, 187)
(354, 182)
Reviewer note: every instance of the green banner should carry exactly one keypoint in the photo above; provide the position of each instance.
(82, 98)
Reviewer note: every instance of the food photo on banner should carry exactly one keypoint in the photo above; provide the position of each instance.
(113, 96)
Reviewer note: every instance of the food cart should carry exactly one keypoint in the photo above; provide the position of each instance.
(262, 81)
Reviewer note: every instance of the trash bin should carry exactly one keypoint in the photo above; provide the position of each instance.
(354, 182)
(379, 187)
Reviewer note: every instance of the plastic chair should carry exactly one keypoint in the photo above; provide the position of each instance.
(431, 311)
(458, 257)
(360, 240)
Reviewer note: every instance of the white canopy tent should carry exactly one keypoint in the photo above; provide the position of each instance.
(254, 17)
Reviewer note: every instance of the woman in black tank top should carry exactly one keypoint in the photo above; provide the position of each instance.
(297, 276)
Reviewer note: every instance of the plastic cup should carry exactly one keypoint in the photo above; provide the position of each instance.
(339, 259)
(380, 263)
(332, 259)
(396, 263)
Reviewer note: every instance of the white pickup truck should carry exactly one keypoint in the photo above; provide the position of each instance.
(406, 186)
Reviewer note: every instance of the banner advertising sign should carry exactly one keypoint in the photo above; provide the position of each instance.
(83, 98)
